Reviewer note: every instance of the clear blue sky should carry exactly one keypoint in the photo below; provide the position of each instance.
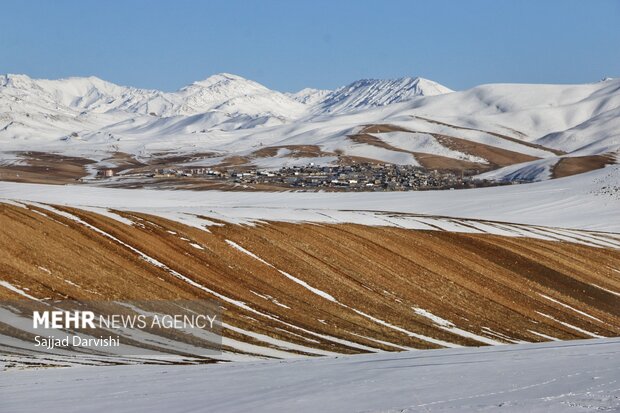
(288, 45)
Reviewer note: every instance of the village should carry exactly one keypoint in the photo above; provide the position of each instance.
(356, 177)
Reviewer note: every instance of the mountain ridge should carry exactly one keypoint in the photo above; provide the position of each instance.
(366, 93)
(213, 93)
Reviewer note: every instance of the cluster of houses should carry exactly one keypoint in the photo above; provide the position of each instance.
(187, 172)
(368, 177)
(355, 177)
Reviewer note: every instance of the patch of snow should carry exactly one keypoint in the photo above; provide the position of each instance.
(424, 143)
(404, 331)
(544, 335)
(587, 333)
(44, 269)
(19, 291)
(605, 289)
(449, 326)
(304, 284)
(569, 307)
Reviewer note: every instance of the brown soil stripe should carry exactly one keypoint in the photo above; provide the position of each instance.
(428, 161)
(499, 135)
(497, 157)
(579, 164)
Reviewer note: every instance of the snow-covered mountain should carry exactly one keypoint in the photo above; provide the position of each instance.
(82, 94)
(367, 93)
(223, 92)
(228, 101)
(310, 96)
(234, 95)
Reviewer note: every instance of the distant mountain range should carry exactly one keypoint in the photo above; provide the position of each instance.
(506, 131)
(221, 92)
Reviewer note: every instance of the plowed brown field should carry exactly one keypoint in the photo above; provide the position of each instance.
(337, 287)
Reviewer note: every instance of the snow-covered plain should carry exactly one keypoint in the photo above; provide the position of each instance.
(575, 376)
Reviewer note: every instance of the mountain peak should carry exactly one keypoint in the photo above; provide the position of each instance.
(15, 80)
(309, 96)
(365, 93)
(219, 78)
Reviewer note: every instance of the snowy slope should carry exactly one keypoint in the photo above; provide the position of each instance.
(552, 377)
(310, 96)
(534, 171)
(599, 134)
(367, 93)
(530, 111)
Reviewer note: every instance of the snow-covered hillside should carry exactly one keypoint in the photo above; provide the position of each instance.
(598, 134)
(310, 96)
(367, 93)
(530, 111)
(484, 128)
